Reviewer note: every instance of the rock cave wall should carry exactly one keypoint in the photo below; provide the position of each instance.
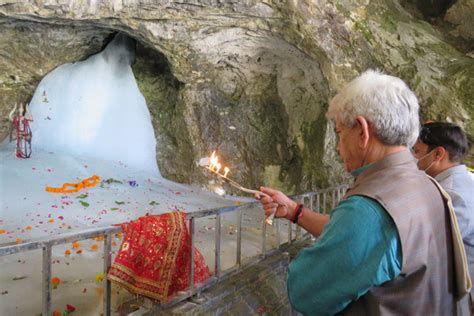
(251, 79)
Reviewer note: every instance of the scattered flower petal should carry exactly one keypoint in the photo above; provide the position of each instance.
(99, 277)
(70, 308)
(85, 204)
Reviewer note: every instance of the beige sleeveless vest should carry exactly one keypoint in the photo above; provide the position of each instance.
(426, 285)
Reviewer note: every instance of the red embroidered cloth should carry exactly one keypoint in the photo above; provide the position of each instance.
(154, 257)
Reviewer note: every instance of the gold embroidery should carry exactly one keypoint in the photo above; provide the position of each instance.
(147, 262)
(132, 275)
(141, 241)
(157, 248)
(138, 290)
(157, 264)
(174, 243)
(159, 231)
(125, 246)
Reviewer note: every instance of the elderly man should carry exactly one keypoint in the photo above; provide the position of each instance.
(387, 248)
(440, 148)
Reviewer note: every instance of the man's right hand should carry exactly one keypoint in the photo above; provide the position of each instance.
(277, 203)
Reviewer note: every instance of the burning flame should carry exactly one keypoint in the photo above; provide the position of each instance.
(216, 166)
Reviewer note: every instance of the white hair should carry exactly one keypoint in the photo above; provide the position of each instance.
(384, 101)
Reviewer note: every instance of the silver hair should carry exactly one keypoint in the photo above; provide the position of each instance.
(385, 101)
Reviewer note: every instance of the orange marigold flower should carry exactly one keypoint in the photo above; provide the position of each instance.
(94, 247)
(28, 227)
(51, 220)
(114, 243)
(55, 281)
(2, 231)
(100, 238)
(76, 245)
(57, 313)
(67, 252)
(18, 239)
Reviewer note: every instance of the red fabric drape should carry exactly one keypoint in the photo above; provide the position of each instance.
(23, 137)
(154, 257)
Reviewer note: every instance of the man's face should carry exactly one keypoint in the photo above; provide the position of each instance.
(421, 152)
(348, 146)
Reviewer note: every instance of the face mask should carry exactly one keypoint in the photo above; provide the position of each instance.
(424, 156)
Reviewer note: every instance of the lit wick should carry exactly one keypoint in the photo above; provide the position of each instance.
(215, 166)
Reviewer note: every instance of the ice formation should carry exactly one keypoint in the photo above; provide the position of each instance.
(93, 108)
(90, 119)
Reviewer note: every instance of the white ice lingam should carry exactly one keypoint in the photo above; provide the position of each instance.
(93, 108)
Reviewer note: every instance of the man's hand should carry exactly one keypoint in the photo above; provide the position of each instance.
(277, 203)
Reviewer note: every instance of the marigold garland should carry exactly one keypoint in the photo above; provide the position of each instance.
(75, 187)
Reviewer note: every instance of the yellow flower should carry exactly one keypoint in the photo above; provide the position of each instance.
(99, 277)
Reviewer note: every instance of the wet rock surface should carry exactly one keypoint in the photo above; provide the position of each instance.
(249, 79)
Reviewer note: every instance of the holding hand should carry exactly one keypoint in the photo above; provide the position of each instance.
(278, 203)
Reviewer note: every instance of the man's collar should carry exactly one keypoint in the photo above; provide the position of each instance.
(359, 170)
(398, 158)
(456, 169)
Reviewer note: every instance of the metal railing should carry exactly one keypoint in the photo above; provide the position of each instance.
(317, 200)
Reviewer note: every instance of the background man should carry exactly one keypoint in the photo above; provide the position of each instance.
(440, 149)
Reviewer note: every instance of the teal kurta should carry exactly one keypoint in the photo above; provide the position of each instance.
(358, 249)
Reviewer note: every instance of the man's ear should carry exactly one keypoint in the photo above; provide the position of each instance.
(440, 153)
(364, 131)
